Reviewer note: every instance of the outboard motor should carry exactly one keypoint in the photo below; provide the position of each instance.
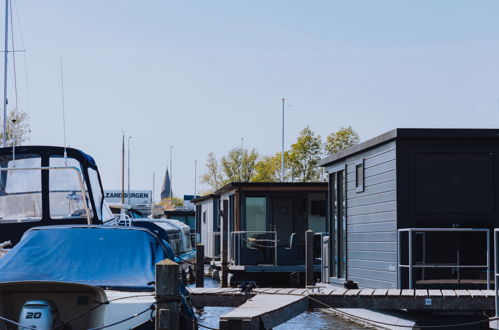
(38, 314)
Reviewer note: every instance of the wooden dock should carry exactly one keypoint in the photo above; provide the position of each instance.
(264, 308)
(379, 299)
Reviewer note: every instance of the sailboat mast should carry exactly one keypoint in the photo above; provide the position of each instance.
(6, 56)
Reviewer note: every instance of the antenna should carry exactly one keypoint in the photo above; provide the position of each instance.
(63, 116)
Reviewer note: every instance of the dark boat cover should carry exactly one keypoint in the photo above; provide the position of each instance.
(108, 257)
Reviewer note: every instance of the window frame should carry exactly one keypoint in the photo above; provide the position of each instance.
(359, 186)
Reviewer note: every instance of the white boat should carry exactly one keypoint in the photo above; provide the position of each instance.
(82, 277)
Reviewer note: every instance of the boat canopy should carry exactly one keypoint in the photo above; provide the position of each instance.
(45, 185)
(108, 257)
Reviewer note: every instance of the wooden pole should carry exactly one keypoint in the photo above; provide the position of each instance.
(199, 265)
(225, 241)
(167, 295)
(309, 257)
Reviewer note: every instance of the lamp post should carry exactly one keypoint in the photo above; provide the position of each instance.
(195, 178)
(282, 146)
(129, 169)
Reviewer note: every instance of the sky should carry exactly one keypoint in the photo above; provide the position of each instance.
(200, 75)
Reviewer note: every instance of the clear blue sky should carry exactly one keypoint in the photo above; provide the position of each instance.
(199, 75)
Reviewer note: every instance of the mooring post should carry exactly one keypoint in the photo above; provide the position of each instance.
(167, 295)
(309, 257)
(225, 243)
(199, 265)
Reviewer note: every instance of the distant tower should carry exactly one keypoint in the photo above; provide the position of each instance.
(165, 189)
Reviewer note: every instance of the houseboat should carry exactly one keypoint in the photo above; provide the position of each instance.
(414, 208)
(265, 229)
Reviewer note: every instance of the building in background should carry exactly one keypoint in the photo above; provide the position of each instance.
(414, 208)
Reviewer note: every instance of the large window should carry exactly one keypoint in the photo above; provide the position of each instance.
(256, 214)
(338, 225)
(20, 189)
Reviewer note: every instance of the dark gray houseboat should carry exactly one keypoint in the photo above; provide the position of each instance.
(414, 208)
(266, 224)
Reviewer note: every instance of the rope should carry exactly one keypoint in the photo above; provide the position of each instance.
(124, 320)
(16, 323)
(95, 307)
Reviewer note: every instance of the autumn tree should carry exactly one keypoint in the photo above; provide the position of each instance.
(340, 140)
(239, 165)
(17, 128)
(304, 157)
(213, 176)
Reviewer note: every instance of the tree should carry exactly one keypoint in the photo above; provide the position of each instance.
(213, 176)
(268, 168)
(17, 128)
(239, 165)
(340, 140)
(304, 157)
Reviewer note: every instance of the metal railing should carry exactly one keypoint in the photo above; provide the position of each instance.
(253, 244)
(411, 266)
(47, 168)
(325, 260)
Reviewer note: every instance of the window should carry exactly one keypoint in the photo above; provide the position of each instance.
(97, 193)
(338, 226)
(20, 190)
(65, 192)
(256, 214)
(359, 176)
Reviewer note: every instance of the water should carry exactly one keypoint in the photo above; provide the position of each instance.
(310, 320)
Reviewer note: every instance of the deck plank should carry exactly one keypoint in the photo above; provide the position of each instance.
(449, 293)
(366, 292)
(407, 293)
(489, 293)
(463, 293)
(421, 293)
(352, 293)
(435, 293)
(476, 293)
(338, 292)
(393, 292)
(380, 292)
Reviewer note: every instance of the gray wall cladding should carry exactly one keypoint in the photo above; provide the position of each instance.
(372, 219)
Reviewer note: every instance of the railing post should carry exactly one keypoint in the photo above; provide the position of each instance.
(199, 265)
(410, 258)
(496, 281)
(309, 257)
(399, 260)
(167, 295)
(225, 238)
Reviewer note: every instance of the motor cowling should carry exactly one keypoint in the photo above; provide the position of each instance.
(38, 314)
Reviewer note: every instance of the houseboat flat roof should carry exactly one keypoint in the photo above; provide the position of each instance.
(271, 186)
(408, 133)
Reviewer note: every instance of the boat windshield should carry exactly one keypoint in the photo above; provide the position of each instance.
(65, 191)
(20, 189)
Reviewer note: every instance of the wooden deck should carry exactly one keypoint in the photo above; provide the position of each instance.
(379, 299)
(264, 312)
